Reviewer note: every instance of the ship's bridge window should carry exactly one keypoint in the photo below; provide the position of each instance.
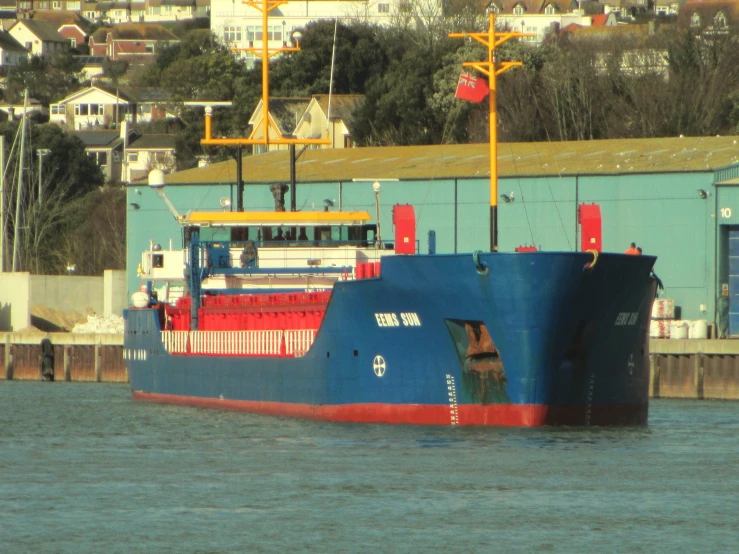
(218, 234)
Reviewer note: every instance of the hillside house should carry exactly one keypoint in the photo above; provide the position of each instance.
(40, 38)
(149, 152)
(106, 148)
(71, 25)
(284, 115)
(133, 42)
(320, 118)
(100, 106)
(12, 52)
(239, 25)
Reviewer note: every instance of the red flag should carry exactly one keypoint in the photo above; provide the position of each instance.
(471, 88)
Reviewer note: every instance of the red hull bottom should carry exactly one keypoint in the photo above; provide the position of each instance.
(509, 415)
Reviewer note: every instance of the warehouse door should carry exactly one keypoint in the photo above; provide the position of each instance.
(734, 281)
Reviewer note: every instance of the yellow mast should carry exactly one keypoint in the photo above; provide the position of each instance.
(264, 53)
(491, 39)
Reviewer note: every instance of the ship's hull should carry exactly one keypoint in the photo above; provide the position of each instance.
(532, 339)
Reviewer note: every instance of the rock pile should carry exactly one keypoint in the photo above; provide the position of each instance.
(97, 324)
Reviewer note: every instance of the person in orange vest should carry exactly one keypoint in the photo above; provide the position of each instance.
(632, 251)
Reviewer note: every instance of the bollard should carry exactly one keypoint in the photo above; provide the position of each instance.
(67, 364)
(654, 370)
(698, 375)
(46, 360)
(8, 359)
(97, 363)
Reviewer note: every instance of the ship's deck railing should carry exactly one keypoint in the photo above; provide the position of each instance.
(292, 342)
(170, 264)
(299, 341)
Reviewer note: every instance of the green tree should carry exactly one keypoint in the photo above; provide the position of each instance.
(46, 80)
(359, 58)
(398, 106)
(46, 197)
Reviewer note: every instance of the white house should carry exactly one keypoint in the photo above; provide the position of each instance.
(240, 26)
(541, 24)
(93, 67)
(666, 7)
(100, 105)
(89, 108)
(39, 37)
(284, 114)
(126, 154)
(175, 10)
(106, 148)
(320, 119)
(307, 118)
(11, 51)
(16, 111)
(148, 152)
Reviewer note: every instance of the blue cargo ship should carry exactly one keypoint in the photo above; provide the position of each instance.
(314, 315)
(533, 338)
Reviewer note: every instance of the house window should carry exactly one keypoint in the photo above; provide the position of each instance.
(720, 20)
(57, 109)
(232, 34)
(274, 32)
(155, 10)
(149, 48)
(25, 5)
(550, 9)
(519, 10)
(43, 5)
(133, 157)
(160, 157)
(89, 109)
(73, 6)
(101, 158)
(404, 6)
(29, 45)
(56, 5)
(253, 33)
(383, 8)
(73, 42)
(695, 20)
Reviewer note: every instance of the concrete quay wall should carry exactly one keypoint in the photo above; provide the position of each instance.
(694, 368)
(77, 357)
(701, 369)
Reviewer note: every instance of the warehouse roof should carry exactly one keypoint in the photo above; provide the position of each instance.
(469, 161)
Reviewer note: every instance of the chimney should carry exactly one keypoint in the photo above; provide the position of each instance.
(278, 191)
(124, 132)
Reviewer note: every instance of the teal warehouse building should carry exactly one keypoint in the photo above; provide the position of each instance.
(677, 198)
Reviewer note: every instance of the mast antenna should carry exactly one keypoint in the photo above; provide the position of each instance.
(331, 79)
(492, 68)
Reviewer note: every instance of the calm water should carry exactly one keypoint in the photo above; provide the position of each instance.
(84, 469)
